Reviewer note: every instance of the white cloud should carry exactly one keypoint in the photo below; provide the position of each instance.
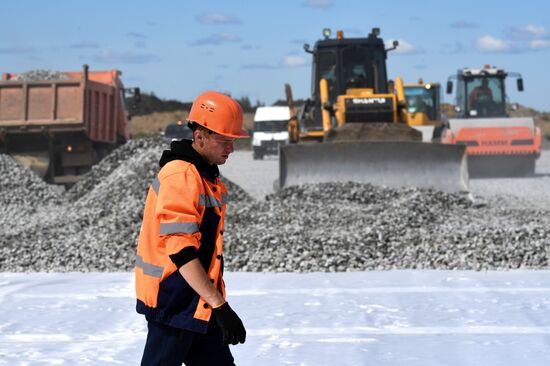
(111, 56)
(294, 61)
(524, 35)
(217, 18)
(539, 44)
(216, 39)
(229, 37)
(517, 40)
(492, 44)
(532, 31)
(404, 47)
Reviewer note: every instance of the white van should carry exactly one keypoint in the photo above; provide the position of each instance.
(270, 129)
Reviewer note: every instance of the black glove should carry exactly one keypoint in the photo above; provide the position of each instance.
(231, 325)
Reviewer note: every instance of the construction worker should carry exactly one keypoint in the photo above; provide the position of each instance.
(179, 263)
(481, 93)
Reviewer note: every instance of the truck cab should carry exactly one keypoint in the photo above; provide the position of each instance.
(269, 130)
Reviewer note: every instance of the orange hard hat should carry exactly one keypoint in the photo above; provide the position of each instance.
(219, 113)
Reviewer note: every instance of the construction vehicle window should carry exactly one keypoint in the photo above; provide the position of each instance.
(485, 96)
(327, 70)
(359, 69)
(421, 100)
(270, 126)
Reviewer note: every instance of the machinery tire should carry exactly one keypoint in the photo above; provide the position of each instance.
(529, 167)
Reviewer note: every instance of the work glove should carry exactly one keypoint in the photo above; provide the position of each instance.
(231, 325)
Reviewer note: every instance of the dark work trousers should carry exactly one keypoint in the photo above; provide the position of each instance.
(168, 346)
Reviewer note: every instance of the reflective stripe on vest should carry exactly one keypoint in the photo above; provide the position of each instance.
(148, 268)
(178, 228)
(209, 201)
(156, 185)
(204, 200)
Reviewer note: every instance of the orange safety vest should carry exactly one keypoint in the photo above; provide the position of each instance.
(183, 210)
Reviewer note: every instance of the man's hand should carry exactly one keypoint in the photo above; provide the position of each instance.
(231, 325)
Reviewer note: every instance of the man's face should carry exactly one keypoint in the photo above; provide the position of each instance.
(217, 148)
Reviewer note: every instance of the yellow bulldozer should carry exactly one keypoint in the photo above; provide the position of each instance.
(423, 109)
(353, 128)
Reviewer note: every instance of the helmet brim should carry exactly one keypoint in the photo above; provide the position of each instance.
(243, 134)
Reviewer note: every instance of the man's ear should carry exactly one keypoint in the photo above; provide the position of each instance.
(197, 134)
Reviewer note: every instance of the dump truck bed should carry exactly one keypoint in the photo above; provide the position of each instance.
(60, 127)
(72, 104)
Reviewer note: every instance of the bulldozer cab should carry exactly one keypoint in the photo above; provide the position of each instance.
(346, 63)
(423, 109)
(424, 98)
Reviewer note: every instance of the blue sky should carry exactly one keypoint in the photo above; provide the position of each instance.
(177, 49)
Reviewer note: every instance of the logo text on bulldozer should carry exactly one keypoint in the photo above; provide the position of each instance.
(369, 100)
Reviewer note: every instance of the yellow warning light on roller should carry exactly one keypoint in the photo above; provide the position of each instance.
(340, 34)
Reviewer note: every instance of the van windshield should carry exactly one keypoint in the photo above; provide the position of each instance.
(270, 126)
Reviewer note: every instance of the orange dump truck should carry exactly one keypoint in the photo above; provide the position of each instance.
(496, 144)
(62, 126)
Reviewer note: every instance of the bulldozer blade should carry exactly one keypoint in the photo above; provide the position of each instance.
(387, 163)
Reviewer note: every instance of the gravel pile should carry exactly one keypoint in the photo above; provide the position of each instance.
(325, 227)
(119, 158)
(40, 74)
(22, 187)
(91, 229)
(347, 227)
